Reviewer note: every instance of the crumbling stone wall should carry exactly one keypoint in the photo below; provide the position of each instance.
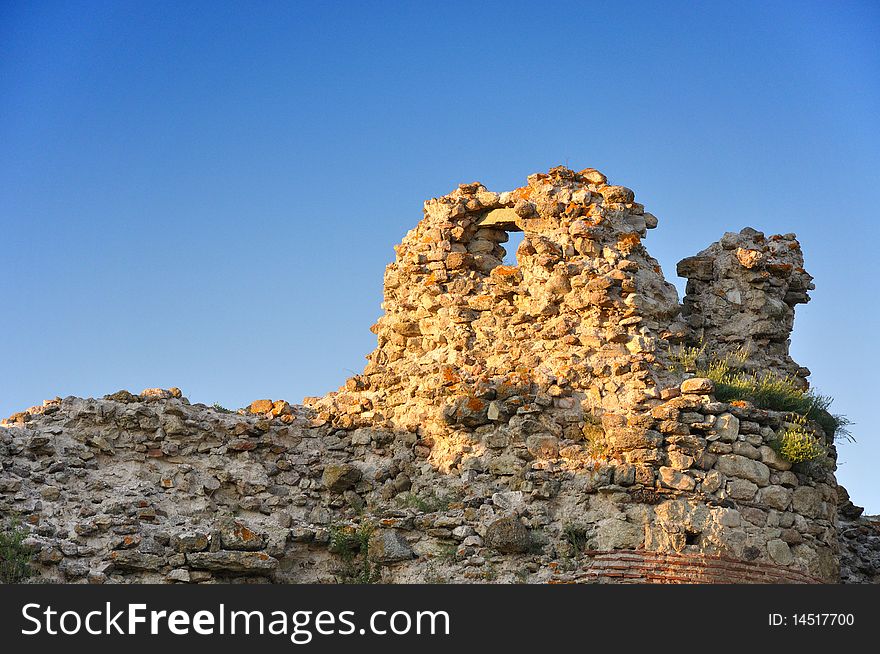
(515, 423)
(859, 542)
(151, 488)
(574, 329)
(741, 295)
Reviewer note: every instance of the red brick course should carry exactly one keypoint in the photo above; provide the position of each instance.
(638, 566)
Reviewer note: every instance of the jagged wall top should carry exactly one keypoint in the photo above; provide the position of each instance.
(741, 294)
(578, 325)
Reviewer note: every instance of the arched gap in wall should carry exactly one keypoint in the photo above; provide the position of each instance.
(508, 221)
(513, 243)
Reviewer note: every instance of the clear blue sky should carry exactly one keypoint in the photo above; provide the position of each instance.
(205, 195)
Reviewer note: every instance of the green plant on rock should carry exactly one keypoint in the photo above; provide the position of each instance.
(352, 545)
(576, 537)
(15, 556)
(763, 389)
(684, 358)
(429, 503)
(797, 445)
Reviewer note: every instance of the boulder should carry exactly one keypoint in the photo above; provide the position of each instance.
(389, 546)
(338, 477)
(226, 561)
(235, 535)
(734, 465)
(697, 386)
(508, 534)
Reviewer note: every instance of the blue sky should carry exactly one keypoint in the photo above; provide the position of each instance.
(205, 195)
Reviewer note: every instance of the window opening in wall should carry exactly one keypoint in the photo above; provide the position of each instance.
(513, 242)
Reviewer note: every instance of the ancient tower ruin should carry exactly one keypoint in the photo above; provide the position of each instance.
(741, 295)
(523, 422)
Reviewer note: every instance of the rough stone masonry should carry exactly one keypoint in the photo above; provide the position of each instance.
(514, 424)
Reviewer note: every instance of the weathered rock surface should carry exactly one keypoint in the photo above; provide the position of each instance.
(389, 546)
(859, 543)
(508, 534)
(741, 294)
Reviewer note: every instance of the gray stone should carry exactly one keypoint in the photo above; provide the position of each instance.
(741, 489)
(780, 552)
(773, 458)
(734, 465)
(776, 497)
(189, 541)
(472, 541)
(614, 533)
(505, 465)
(789, 479)
(698, 267)
(338, 477)
(463, 532)
(76, 569)
(133, 560)
(745, 449)
(361, 437)
(624, 475)
(754, 515)
(235, 535)
(807, 501)
(389, 546)
(508, 534)
(226, 561)
(179, 575)
(726, 427)
(508, 500)
(728, 517)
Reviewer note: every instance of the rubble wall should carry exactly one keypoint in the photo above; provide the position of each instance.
(514, 423)
(740, 299)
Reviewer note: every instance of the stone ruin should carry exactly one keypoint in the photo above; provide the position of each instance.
(519, 423)
(741, 294)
